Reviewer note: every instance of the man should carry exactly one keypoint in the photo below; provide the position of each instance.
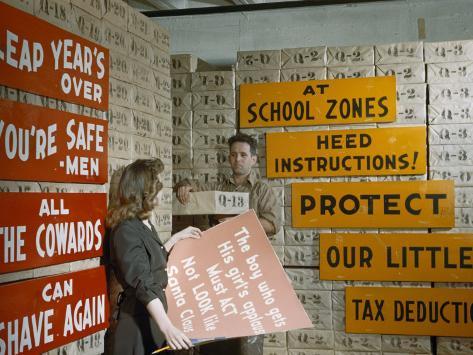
(262, 199)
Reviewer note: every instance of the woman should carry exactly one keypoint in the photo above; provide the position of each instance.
(138, 259)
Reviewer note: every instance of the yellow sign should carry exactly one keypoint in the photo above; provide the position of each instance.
(376, 151)
(412, 204)
(397, 257)
(318, 102)
(409, 311)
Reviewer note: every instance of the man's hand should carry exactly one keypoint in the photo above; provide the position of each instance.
(182, 194)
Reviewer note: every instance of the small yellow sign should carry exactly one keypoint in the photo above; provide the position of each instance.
(397, 257)
(368, 152)
(411, 204)
(318, 102)
(409, 311)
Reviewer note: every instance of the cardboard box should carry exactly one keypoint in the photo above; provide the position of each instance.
(143, 124)
(445, 73)
(143, 100)
(184, 63)
(298, 236)
(357, 342)
(408, 344)
(451, 134)
(315, 299)
(450, 155)
(303, 74)
(211, 158)
(213, 80)
(24, 5)
(162, 221)
(450, 93)
(278, 238)
(274, 351)
(409, 73)
(181, 159)
(115, 38)
(143, 148)
(163, 151)
(140, 25)
(163, 107)
(182, 119)
(211, 138)
(182, 139)
(450, 113)
(275, 340)
(464, 217)
(116, 11)
(310, 339)
(163, 130)
(256, 77)
(346, 72)
(409, 113)
(454, 346)
(308, 57)
(411, 93)
(162, 84)
(181, 101)
(464, 197)
(140, 50)
(212, 202)
(338, 320)
(449, 51)
(120, 66)
(56, 12)
(396, 53)
(86, 25)
(307, 279)
(210, 176)
(181, 82)
(208, 119)
(213, 100)
(258, 60)
(121, 93)
(161, 60)
(462, 175)
(181, 174)
(119, 145)
(321, 318)
(301, 255)
(350, 55)
(161, 37)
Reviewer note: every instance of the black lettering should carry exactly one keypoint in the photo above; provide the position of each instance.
(357, 107)
(435, 201)
(403, 162)
(383, 106)
(409, 311)
(329, 114)
(390, 263)
(299, 110)
(357, 308)
(345, 108)
(416, 251)
(464, 258)
(409, 206)
(446, 262)
(252, 113)
(388, 204)
(366, 254)
(379, 307)
(346, 257)
(398, 311)
(356, 204)
(365, 140)
(307, 203)
(370, 107)
(323, 204)
(308, 90)
(370, 199)
(333, 256)
(322, 142)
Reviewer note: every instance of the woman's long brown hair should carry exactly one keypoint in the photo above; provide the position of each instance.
(139, 184)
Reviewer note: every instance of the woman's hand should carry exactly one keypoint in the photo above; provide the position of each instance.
(189, 232)
(176, 339)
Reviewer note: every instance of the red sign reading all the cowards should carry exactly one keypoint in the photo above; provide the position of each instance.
(41, 58)
(42, 314)
(40, 144)
(39, 229)
(229, 283)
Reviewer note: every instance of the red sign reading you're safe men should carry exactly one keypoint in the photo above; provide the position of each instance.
(39, 229)
(40, 144)
(41, 58)
(44, 313)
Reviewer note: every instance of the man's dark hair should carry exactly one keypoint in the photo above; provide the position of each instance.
(243, 138)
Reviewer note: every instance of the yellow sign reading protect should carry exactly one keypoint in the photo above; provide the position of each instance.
(318, 102)
(375, 152)
(409, 311)
(410, 204)
(397, 257)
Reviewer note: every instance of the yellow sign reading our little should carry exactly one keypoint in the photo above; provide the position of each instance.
(318, 102)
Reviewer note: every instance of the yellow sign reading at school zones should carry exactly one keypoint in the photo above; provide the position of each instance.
(411, 204)
(409, 311)
(318, 102)
(397, 257)
(374, 152)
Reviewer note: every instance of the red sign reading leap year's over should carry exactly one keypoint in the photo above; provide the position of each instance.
(38, 57)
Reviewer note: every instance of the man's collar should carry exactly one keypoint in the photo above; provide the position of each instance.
(252, 178)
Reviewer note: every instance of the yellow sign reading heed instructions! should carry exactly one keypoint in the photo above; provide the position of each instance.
(410, 204)
(318, 102)
(397, 257)
(358, 152)
(409, 311)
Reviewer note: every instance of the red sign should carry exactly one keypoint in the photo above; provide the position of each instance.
(229, 283)
(40, 144)
(52, 228)
(38, 57)
(45, 313)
